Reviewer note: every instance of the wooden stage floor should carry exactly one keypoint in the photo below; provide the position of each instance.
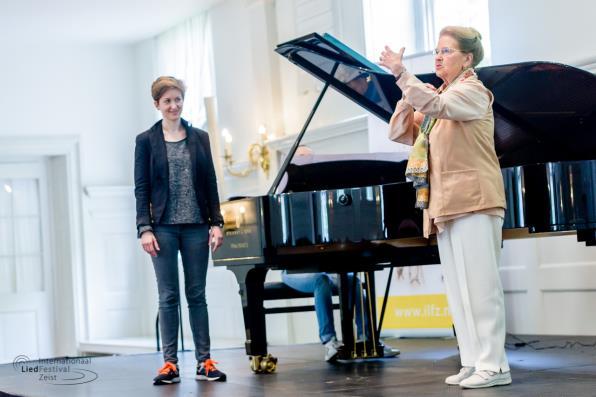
(537, 370)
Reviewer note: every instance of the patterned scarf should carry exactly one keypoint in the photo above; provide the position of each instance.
(417, 168)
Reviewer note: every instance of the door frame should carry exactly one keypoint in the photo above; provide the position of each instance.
(61, 155)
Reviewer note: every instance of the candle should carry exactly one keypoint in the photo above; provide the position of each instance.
(263, 134)
(227, 142)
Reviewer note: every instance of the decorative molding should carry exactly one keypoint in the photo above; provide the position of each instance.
(351, 126)
(108, 204)
(11, 146)
(514, 279)
(565, 277)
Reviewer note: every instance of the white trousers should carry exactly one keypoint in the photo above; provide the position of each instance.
(470, 251)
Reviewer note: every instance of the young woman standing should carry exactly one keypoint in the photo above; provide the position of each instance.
(178, 212)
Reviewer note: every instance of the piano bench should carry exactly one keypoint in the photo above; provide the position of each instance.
(279, 290)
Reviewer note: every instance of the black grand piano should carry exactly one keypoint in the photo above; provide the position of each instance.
(348, 215)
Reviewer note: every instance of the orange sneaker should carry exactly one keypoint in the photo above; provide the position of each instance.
(207, 371)
(167, 375)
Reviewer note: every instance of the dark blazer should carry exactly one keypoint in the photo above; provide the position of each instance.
(152, 175)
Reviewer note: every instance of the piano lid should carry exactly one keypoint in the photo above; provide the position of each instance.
(348, 72)
(543, 111)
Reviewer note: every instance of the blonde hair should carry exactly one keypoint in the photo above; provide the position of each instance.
(468, 39)
(164, 83)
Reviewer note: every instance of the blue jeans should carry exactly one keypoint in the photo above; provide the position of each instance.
(192, 243)
(322, 286)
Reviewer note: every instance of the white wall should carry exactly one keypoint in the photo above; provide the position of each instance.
(549, 282)
(300, 89)
(74, 90)
(239, 98)
(84, 92)
(145, 61)
(542, 30)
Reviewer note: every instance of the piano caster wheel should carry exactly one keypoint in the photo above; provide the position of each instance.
(263, 365)
(269, 364)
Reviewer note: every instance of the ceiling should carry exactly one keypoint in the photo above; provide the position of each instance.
(92, 21)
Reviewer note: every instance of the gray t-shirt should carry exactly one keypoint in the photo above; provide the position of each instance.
(182, 206)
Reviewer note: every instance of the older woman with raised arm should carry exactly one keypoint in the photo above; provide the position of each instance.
(459, 186)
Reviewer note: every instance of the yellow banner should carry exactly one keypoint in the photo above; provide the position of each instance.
(416, 311)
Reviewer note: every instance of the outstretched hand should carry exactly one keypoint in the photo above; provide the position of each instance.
(392, 60)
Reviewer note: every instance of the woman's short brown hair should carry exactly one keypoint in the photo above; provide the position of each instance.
(164, 83)
(469, 40)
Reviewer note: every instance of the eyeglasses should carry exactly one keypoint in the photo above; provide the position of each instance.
(445, 51)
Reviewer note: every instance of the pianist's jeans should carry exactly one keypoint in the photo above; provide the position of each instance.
(192, 242)
(322, 286)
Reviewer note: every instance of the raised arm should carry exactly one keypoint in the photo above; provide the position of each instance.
(465, 100)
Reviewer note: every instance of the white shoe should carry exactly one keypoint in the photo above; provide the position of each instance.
(331, 349)
(456, 379)
(389, 351)
(482, 379)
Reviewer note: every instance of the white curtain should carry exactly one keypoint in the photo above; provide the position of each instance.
(185, 52)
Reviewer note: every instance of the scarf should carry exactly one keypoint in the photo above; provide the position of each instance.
(417, 168)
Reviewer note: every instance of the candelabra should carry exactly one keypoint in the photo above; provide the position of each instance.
(258, 154)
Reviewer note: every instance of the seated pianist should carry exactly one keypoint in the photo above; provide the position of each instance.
(322, 286)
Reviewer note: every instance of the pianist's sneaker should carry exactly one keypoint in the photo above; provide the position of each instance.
(482, 379)
(389, 351)
(332, 349)
(168, 374)
(207, 371)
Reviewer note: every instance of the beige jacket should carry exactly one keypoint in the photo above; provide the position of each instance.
(465, 175)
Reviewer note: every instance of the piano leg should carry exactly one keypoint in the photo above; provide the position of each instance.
(251, 281)
(346, 311)
(376, 347)
(347, 297)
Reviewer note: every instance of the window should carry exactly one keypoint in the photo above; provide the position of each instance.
(21, 255)
(415, 24)
(185, 52)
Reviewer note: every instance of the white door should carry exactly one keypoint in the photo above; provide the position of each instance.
(26, 304)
